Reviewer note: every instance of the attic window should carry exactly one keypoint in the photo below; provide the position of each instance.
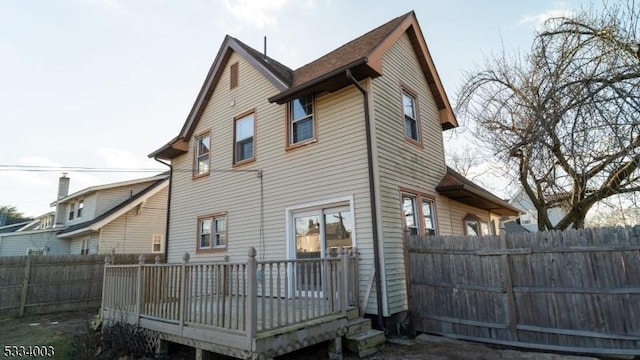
(201, 155)
(233, 77)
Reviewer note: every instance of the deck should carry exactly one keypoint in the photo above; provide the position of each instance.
(254, 309)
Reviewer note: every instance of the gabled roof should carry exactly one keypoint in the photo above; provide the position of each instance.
(459, 188)
(13, 227)
(361, 56)
(115, 212)
(91, 189)
(279, 75)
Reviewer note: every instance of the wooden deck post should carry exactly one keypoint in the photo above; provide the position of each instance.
(344, 289)
(183, 290)
(139, 288)
(251, 311)
(355, 285)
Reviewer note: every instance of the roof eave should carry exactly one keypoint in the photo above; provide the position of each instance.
(364, 71)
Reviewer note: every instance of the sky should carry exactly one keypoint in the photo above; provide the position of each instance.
(103, 83)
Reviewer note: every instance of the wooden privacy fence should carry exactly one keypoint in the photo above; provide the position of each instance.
(44, 284)
(240, 299)
(577, 290)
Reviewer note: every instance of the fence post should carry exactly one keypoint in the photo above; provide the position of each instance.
(107, 262)
(252, 294)
(139, 288)
(355, 285)
(183, 290)
(344, 298)
(508, 284)
(25, 285)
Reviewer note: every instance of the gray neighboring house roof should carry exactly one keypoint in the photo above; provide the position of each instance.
(13, 227)
(513, 227)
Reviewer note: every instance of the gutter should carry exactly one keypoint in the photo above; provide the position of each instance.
(372, 197)
(166, 230)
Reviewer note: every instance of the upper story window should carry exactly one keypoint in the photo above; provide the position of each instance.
(419, 214)
(212, 232)
(243, 147)
(201, 155)
(301, 127)
(411, 125)
(80, 207)
(72, 207)
(233, 76)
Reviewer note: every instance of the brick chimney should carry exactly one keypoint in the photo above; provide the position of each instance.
(63, 191)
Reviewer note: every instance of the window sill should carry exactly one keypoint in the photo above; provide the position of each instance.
(200, 176)
(414, 142)
(212, 250)
(300, 144)
(243, 162)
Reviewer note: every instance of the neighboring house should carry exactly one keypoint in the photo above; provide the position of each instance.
(529, 217)
(284, 161)
(122, 217)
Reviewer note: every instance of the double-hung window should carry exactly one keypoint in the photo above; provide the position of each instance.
(72, 207)
(419, 214)
(212, 232)
(411, 125)
(202, 149)
(244, 149)
(301, 127)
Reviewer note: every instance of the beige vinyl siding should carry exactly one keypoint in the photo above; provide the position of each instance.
(89, 211)
(16, 244)
(401, 164)
(132, 233)
(458, 211)
(109, 198)
(335, 166)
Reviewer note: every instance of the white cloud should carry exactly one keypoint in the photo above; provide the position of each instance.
(539, 19)
(259, 13)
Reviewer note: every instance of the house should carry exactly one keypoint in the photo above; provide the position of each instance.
(529, 217)
(273, 158)
(122, 217)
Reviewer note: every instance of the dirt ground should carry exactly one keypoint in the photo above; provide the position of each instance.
(59, 329)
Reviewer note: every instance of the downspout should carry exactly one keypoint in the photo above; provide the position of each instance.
(166, 231)
(372, 197)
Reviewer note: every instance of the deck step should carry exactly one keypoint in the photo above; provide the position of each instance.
(365, 343)
(352, 314)
(358, 325)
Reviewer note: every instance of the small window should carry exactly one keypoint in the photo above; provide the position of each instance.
(473, 226)
(202, 149)
(410, 116)
(409, 210)
(428, 217)
(156, 246)
(233, 76)
(244, 138)
(301, 126)
(71, 210)
(212, 234)
(80, 207)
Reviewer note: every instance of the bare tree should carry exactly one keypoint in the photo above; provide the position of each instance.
(466, 160)
(565, 117)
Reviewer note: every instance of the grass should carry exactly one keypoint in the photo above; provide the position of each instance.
(57, 330)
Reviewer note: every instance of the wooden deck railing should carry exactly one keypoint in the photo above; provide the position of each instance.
(242, 298)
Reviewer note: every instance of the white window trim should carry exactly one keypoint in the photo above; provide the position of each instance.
(289, 212)
(153, 239)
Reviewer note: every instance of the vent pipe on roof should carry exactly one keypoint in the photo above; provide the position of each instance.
(265, 46)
